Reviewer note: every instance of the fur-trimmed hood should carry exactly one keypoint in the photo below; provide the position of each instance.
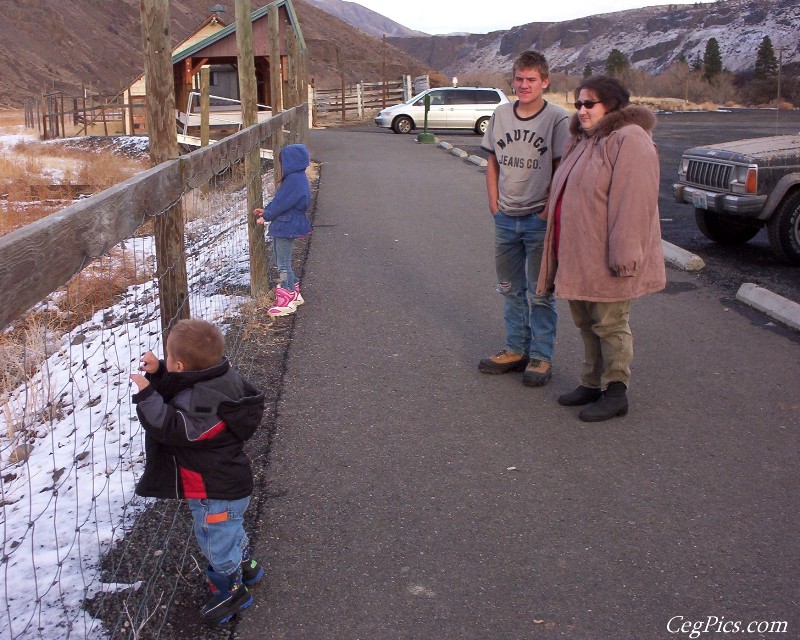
(615, 120)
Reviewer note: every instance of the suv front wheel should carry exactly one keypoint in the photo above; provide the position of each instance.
(723, 230)
(784, 229)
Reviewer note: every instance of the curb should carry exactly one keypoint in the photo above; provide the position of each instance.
(459, 153)
(681, 258)
(477, 160)
(781, 309)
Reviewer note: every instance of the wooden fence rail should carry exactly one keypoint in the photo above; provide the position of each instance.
(41, 257)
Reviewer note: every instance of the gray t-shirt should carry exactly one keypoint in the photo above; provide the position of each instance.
(525, 149)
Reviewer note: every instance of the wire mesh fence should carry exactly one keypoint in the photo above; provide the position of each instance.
(82, 555)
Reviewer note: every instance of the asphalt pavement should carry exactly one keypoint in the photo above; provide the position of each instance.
(412, 497)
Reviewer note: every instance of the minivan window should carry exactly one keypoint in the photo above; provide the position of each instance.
(437, 97)
(484, 96)
(460, 96)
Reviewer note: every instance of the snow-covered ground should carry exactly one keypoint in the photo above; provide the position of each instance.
(81, 447)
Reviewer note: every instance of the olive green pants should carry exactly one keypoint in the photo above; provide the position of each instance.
(607, 341)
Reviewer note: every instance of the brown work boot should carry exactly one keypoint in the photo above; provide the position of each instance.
(503, 362)
(537, 373)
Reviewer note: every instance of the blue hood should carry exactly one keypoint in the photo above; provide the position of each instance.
(295, 157)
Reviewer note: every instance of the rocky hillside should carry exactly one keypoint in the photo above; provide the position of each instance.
(365, 19)
(652, 38)
(47, 44)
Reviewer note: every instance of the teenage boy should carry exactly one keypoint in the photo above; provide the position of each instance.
(524, 140)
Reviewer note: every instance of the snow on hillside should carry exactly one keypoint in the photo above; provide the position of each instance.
(651, 37)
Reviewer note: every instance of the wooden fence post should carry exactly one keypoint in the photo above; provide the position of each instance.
(205, 108)
(292, 71)
(169, 227)
(259, 272)
(340, 66)
(276, 86)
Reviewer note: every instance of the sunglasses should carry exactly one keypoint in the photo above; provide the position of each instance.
(589, 104)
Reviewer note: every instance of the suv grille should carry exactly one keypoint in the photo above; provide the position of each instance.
(709, 174)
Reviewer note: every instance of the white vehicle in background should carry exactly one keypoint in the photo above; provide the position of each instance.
(450, 108)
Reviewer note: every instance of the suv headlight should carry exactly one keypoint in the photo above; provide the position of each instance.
(745, 179)
(683, 167)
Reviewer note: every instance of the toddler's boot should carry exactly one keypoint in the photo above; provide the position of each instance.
(251, 570)
(284, 303)
(229, 597)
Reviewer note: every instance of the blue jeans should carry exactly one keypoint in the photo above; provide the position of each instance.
(283, 260)
(219, 529)
(530, 320)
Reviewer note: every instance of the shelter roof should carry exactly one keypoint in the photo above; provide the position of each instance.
(231, 28)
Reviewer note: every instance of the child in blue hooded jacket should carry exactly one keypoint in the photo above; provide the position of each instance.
(288, 219)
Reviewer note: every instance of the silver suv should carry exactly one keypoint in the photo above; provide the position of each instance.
(451, 108)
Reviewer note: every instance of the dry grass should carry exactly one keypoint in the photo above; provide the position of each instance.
(253, 314)
(30, 166)
(34, 337)
(11, 118)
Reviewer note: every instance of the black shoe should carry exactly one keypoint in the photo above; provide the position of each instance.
(229, 597)
(251, 572)
(582, 395)
(503, 362)
(613, 403)
(537, 373)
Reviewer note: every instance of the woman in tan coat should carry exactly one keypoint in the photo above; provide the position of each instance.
(603, 242)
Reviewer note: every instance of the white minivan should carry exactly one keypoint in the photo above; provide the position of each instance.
(450, 108)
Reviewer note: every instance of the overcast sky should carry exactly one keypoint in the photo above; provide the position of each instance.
(482, 16)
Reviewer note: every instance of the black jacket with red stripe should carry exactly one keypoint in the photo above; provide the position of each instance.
(196, 423)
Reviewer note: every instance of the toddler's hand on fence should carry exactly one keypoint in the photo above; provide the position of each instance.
(140, 381)
(149, 362)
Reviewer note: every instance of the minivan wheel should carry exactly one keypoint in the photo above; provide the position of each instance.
(784, 229)
(403, 124)
(481, 126)
(724, 230)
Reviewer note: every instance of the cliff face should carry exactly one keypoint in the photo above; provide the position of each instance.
(51, 44)
(652, 38)
(367, 20)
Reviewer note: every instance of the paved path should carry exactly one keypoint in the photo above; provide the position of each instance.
(415, 498)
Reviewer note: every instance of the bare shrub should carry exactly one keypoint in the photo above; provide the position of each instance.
(22, 349)
(99, 285)
(103, 170)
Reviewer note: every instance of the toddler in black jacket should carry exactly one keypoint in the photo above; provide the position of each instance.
(197, 412)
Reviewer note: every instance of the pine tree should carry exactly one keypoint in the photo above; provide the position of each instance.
(697, 63)
(587, 71)
(712, 60)
(616, 63)
(766, 62)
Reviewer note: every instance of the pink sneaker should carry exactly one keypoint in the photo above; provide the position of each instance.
(298, 299)
(284, 303)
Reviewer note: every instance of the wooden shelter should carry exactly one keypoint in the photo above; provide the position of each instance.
(213, 44)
